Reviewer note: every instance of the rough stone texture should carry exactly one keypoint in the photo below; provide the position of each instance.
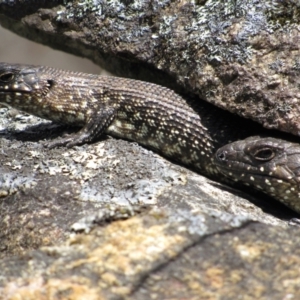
(160, 255)
(166, 253)
(112, 220)
(240, 55)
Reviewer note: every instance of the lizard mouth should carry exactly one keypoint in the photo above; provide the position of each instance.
(24, 88)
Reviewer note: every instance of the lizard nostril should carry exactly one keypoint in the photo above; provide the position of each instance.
(222, 155)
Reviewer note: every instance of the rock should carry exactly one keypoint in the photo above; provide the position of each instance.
(242, 57)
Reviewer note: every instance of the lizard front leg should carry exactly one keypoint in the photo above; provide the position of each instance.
(97, 123)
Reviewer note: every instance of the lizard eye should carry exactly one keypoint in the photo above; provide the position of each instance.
(7, 77)
(264, 154)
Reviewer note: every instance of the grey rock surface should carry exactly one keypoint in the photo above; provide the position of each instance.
(112, 220)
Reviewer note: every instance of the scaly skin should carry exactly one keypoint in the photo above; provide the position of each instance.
(152, 115)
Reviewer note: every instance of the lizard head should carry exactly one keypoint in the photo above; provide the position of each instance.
(22, 86)
(268, 164)
(18, 78)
